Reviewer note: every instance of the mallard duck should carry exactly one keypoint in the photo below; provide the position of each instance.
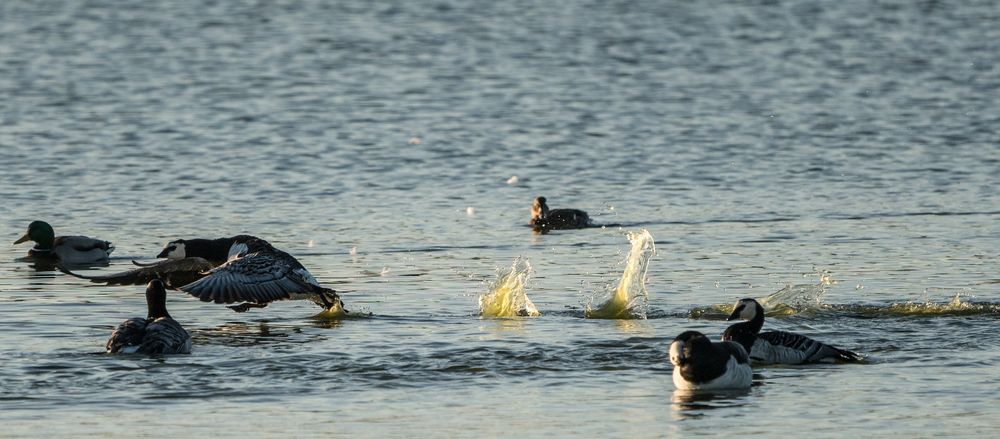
(544, 219)
(700, 364)
(158, 333)
(64, 249)
(779, 347)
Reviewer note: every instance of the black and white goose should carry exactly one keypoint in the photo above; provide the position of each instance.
(252, 271)
(545, 219)
(158, 333)
(778, 347)
(187, 260)
(700, 364)
(260, 274)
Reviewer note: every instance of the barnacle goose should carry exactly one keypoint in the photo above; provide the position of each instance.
(700, 364)
(778, 346)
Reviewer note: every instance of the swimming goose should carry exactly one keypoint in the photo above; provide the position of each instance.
(258, 275)
(544, 219)
(700, 364)
(158, 333)
(779, 347)
(65, 249)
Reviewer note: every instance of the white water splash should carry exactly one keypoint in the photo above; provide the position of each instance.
(506, 296)
(629, 300)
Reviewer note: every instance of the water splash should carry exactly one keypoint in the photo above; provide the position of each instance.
(790, 300)
(506, 296)
(630, 299)
(793, 299)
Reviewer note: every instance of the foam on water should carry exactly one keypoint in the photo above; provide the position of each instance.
(629, 300)
(506, 296)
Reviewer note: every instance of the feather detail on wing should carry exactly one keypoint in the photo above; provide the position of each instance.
(787, 347)
(165, 336)
(260, 277)
(128, 333)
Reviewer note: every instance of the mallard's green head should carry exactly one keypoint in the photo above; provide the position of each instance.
(41, 233)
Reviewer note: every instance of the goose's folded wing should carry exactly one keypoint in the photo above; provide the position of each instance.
(165, 336)
(257, 278)
(128, 333)
(173, 273)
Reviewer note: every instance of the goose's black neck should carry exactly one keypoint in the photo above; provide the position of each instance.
(745, 333)
(156, 300)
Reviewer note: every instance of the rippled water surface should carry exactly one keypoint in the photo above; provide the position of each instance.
(763, 145)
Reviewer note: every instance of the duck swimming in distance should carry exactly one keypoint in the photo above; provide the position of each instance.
(545, 219)
(65, 249)
(158, 333)
(778, 347)
(700, 364)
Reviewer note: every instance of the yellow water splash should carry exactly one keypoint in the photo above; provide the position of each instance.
(630, 299)
(336, 312)
(506, 296)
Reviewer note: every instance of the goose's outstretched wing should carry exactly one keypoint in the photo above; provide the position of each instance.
(173, 272)
(259, 277)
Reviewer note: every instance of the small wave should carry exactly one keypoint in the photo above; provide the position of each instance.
(955, 307)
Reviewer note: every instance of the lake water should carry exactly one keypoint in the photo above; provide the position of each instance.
(762, 145)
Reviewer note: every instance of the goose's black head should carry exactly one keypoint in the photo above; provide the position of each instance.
(173, 250)
(686, 345)
(746, 309)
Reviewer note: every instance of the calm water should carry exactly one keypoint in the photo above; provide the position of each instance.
(761, 145)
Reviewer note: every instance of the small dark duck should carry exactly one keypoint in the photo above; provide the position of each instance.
(545, 219)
